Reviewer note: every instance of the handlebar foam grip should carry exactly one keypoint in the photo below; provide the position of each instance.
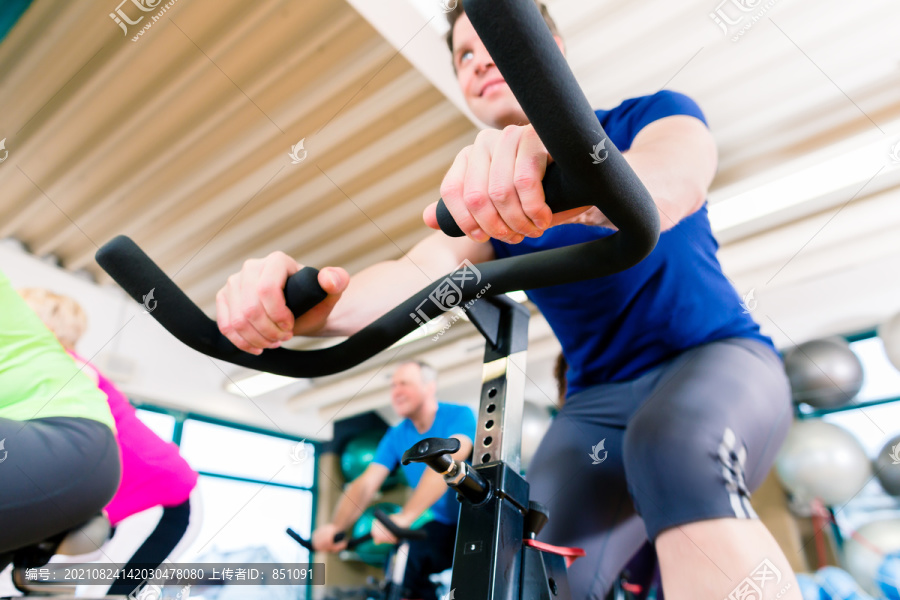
(446, 222)
(302, 291)
(595, 172)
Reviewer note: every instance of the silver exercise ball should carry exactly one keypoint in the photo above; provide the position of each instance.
(889, 333)
(861, 561)
(823, 373)
(535, 422)
(821, 460)
(887, 466)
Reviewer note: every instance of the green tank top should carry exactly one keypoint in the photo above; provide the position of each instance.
(38, 379)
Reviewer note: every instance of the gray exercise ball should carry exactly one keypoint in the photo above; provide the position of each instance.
(535, 422)
(821, 460)
(861, 561)
(823, 373)
(889, 333)
(887, 466)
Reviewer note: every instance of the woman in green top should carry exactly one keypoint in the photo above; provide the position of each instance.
(59, 463)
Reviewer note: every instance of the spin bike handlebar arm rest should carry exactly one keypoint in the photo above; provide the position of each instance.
(527, 56)
(351, 544)
(588, 170)
(398, 532)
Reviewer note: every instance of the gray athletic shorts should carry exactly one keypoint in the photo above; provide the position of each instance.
(685, 442)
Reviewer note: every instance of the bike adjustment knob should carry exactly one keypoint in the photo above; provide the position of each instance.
(434, 452)
(537, 517)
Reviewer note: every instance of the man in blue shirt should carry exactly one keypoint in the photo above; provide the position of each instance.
(689, 400)
(413, 397)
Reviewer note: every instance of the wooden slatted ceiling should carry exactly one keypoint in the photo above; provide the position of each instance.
(181, 140)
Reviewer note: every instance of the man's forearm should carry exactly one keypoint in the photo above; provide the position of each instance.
(378, 288)
(371, 293)
(675, 196)
(351, 505)
(675, 158)
(430, 489)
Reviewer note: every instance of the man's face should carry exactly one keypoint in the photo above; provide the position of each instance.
(484, 89)
(482, 85)
(408, 393)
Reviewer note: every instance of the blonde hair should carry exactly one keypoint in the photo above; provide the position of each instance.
(62, 315)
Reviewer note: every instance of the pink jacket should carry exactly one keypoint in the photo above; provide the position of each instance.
(153, 473)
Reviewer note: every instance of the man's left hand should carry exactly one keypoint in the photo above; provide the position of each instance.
(380, 534)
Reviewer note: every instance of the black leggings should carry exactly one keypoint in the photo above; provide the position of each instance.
(55, 474)
(156, 547)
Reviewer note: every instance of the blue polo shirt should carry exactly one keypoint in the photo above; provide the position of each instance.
(616, 328)
(450, 419)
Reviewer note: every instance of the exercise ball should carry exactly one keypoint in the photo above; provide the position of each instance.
(535, 422)
(358, 454)
(862, 561)
(838, 584)
(823, 373)
(821, 460)
(376, 554)
(887, 578)
(809, 588)
(889, 332)
(887, 466)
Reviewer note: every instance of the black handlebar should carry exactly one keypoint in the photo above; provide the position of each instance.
(398, 532)
(527, 56)
(338, 537)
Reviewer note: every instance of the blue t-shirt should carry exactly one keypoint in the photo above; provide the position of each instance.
(450, 419)
(618, 327)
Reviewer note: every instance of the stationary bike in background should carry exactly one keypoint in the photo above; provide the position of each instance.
(497, 556)
(392, 586)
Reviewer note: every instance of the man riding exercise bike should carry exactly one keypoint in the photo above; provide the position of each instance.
(665, 366)
(413, 397)
(688, 397)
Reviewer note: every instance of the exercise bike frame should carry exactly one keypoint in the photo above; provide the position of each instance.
(396, 568)
(496, 556)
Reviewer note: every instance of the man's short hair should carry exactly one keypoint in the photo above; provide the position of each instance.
(428, 372)
(457, 12)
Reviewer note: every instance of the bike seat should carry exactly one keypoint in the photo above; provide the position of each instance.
(86, 538)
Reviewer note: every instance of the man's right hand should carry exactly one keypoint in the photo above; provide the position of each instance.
(323, 539)
(251, 311)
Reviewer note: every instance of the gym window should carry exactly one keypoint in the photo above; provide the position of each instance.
(253, 485)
